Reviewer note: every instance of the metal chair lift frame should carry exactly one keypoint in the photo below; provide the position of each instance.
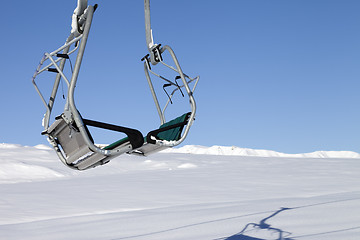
(69, 135)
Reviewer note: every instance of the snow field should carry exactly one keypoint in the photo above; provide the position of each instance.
(183, 193)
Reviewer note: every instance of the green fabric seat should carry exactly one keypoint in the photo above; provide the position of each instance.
(171, 134)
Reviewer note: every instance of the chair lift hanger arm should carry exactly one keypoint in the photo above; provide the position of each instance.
(133, 134)
(154, 49)
(148, 31)
(75, 114)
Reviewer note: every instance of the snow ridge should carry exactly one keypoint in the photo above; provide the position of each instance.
(237, 151)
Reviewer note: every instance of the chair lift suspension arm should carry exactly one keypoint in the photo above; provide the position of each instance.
(73, 109)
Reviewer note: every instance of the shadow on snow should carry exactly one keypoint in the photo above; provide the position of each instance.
(266, 229)
(256, 231)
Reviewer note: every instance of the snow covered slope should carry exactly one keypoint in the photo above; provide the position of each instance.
(223, 193)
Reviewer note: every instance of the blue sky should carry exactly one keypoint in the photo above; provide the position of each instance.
(279, 75)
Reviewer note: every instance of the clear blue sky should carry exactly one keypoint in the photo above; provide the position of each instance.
(279, 75)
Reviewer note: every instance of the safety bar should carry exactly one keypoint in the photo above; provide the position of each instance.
(186, 80)
(135, 137)
(59, 68)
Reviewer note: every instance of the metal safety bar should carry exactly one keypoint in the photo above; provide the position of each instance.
(186, 80)
(59, 68)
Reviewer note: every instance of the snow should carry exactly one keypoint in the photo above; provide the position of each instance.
(236, 151)
(192, 192)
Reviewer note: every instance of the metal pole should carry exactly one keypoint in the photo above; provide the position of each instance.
(76, 115)
(161, 115)
(148, 31)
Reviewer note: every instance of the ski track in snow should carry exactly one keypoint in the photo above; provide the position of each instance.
(193, 192)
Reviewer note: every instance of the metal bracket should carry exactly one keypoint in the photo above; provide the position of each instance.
(68, 117)
(147, 61)
(155, 54)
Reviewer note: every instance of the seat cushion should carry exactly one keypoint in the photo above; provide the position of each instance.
(173, 134)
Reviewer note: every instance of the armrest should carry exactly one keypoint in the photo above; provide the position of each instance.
(135, 136)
